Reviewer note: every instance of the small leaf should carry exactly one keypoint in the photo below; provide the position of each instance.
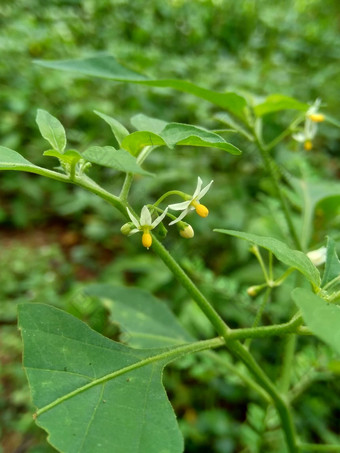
(70, 156)
(107, 67)
(147, 321)
(322, 318)
(119, 131)
(91, 392)
(52, 130)
(277, 102)
(145, 123)
(283, 253)
(119, 159)
(332, 266)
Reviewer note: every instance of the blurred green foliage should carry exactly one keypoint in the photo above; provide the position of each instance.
(257, 46)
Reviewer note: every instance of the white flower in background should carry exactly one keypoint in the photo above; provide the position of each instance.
(310, 128)
(313, 112)
(192, 203)
(318, 256)
(145, 224)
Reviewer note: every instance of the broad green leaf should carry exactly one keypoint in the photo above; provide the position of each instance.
(312, 193)
(332, 266)
(119, 159)
(119, 131)
(146, 321)
(277, 102)
(52, 130)
(93, 394)
(177, 134)
(70, 156)
(11, 160)
(107, 67)
(185, 134)
(136, 141)
(145, 123)
(322, 318)
(293, 258)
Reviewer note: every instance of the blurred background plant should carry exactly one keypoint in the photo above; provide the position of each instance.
(54, 237)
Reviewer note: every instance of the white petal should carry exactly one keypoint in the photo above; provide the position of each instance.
(134, 231)
(310, 129)
(180, 217)
(204, 191)
(159, 219)
(180, 206)
(299, 137)
(145, 217)
(133, 218)
(198, 187)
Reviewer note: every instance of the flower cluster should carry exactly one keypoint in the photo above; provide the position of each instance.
(313, 117)
(145, 224)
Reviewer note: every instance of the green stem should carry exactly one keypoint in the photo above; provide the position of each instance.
(259, 315)
(255, 250)
(273, 172)
(235, 347)
(288, 356)
(307, 448)
(285, 133)
(168, 194)
(124, 193)
(216, 320)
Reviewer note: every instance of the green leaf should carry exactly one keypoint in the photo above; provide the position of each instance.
(277, 102)
(119, 131)
(146, 321)
(119, 159)
(93, 393)
(68, 157)
(185, 134)
(105, 66)
(177, 134)
(293, 258)
(332, 266)
(52, 130)
(146, 123)
(322, 318)
(11, 160)
(136, 141)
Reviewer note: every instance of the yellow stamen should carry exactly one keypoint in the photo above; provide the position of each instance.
(317, 117)
(308, 145)
(201, 210)
(146, 239)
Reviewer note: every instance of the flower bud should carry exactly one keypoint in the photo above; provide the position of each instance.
(187, 232)
(318, 256)
(127, 228)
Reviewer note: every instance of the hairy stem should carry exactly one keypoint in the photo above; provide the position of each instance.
(234, 346)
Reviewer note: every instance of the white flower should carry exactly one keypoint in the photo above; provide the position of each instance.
(192, 203)
(318, 256)
(145, 224)
(310, 127)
